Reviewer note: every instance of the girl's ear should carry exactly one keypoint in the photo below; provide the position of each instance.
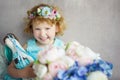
(57, 29)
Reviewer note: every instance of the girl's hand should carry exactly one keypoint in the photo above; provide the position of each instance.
(28, 72)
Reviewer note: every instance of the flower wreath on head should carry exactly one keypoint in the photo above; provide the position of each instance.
(45, 12)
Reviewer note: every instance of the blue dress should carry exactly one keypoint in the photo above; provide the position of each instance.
(31, 50)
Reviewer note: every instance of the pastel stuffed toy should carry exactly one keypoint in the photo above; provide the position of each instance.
(21, 59)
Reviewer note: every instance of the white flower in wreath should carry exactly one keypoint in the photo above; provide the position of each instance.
(39, 11)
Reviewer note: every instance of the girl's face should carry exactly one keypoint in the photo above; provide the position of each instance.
(44, 33)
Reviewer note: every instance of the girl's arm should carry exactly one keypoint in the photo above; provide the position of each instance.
(27, 72)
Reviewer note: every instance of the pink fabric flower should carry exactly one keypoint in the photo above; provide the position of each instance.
(55, 66)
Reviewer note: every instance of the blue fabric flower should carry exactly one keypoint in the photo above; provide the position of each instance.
(101, 65)
(73, 73)
(77, 72)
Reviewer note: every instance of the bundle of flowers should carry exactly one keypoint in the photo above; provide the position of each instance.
(74, 62)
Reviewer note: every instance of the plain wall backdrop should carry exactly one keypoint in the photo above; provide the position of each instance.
(93, 23)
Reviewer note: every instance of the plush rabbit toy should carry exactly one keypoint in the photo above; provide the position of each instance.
(19, 55)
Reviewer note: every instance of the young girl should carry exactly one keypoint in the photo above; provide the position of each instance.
(45, 23)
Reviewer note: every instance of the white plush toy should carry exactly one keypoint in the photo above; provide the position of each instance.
(19, 55)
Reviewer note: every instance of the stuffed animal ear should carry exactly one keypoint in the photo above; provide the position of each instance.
(11, 35)
(8, 42)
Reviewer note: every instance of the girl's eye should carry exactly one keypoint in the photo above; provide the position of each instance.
(37, 29)
(47, 28)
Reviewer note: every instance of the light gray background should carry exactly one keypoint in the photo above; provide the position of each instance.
(93, 23)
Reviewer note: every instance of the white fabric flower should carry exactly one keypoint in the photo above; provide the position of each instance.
(51, 54)
(40, 70)
(97, 75)
(68, 60)
(83, 55)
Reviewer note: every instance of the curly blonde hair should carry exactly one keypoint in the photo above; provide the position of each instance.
(60, 24)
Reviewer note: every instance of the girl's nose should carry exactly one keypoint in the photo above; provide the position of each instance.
(43, 33)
